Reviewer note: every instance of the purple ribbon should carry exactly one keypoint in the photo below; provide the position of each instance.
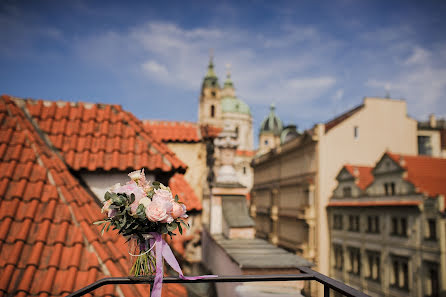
(163, 250)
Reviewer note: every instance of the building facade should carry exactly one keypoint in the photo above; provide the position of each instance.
(293, 183)
(432, 137)
(387, 226)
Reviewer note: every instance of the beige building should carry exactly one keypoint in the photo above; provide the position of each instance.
(293, 182)
(387, 226)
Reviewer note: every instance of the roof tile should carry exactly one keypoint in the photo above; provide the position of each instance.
(46, 233)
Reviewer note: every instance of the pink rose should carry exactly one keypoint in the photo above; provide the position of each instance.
(132, 188)
(156, 212)
(164, 197)
(179, 210)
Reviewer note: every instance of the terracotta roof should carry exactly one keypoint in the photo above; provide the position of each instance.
(245, 153)
(360, 203)
(363, 175)
(339, 119)
(48, 245)
(427, 174)
(100, 136)
(179, 186)
(171, 131)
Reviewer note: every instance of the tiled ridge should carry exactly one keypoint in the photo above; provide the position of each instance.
(100, 136)
(48, 245)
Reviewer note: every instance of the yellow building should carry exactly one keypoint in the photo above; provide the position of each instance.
(293, 182)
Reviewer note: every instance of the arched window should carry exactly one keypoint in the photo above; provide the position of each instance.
(212, 111)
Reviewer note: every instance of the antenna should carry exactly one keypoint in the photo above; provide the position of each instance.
(387, 88)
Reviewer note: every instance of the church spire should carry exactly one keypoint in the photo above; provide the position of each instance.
(228, 81)
(211, 79)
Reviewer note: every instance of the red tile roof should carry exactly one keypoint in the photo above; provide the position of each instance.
(48, 245)
(245, 153)
(339, 119)
(100, 136)
(171, 131)
(363, 175)
(179, 186)
(427, 174)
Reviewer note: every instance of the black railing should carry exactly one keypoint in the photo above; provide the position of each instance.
(307, 274)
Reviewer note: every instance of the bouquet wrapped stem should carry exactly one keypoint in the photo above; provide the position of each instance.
(142, 256)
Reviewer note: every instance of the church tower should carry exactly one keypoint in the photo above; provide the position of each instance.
(270, 131)
(209, 111)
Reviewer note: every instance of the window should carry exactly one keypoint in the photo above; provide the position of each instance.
(266, 142)
(347, 191)
(338, 253)
(337, 222)
(431, 229)
(212, 111)
(389, 189)
(431, 281)
(354, 256)
(399, 227)
(236, 131)
(374, 264)
(356, 132)
(373, 224)
(244, 169)
(424, 145)
(353, 223)
(400, 272)
(213, 94)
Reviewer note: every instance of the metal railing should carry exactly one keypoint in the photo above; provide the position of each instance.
(307, 274)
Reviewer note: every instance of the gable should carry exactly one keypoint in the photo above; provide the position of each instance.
(344, 174)
(386, 165)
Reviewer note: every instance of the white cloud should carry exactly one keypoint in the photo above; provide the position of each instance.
(308, 73)
(156, 70)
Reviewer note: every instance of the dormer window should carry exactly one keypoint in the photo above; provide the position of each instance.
(389, 189)
(347, 191)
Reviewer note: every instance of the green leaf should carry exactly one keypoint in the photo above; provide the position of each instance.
(103, 228)
(141, 211)
(99, 222)
(107, 196)
(176, 198)
(163, 229)
(172, 226)
(180, 229)
(132, 198)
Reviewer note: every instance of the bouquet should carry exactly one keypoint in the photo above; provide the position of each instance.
(143, 211)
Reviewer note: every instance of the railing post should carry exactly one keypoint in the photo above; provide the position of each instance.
(326, 291)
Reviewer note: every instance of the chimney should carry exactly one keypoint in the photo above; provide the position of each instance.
(432, 121)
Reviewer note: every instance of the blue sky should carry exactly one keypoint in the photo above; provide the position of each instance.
(313, 59)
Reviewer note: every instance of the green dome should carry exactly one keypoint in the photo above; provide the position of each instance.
(271, 123)
(232, 104)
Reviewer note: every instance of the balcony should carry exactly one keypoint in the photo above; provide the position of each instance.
(306, 274)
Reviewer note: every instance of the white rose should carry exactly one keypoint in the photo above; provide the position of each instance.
(145, 201)
(135, 175)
